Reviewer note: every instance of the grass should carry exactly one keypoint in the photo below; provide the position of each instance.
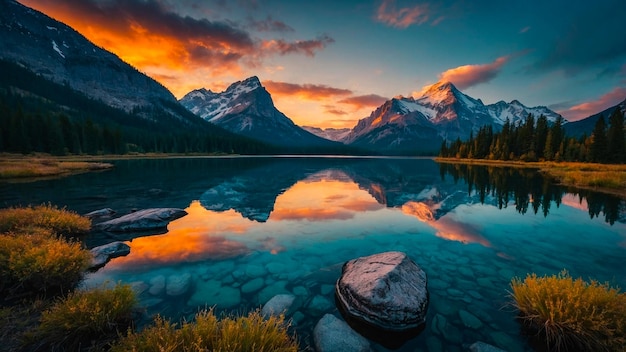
(606, 178)
(572, 314)
(207, 333)
(40, 263)
(85, 318)
(32, 219)
(20, 167)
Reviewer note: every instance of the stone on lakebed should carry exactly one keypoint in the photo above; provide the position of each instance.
(386, 290)
(102, 254)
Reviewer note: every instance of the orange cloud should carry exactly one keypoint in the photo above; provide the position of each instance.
(389, 14)
(470, 75)
(583, 110)
(307, 47)
(305, 91)
(364, 101)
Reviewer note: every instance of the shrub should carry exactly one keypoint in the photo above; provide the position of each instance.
(85, 318)
(29, 219)
(572, 314)
(207, 333)
(40, 263)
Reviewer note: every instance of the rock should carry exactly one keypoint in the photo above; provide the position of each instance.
(387, 290)
(252, 285)
(439, 324)
(177, 285)
(272, 290)
(102, 254)
(227, 297)
(483, 347)
(157, 285)
(101, 213)
(333, 335)
(279, 304)
(319, 305)
(469, 320)
(142, 220)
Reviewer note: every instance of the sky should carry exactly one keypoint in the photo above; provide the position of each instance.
(331, 63)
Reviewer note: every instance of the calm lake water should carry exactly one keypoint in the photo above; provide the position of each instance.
(263, 226)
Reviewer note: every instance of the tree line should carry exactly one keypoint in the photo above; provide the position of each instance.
(536, 140)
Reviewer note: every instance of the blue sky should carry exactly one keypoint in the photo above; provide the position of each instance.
(330, 63)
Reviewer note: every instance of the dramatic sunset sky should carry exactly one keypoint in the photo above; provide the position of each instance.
(330, 63)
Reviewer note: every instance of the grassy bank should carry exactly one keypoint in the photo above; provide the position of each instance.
(19, 167)
(604, 178)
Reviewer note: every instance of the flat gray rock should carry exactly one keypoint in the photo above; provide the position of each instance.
(102, 254)
(334, 335)
(387, 290)
(484, 347)
(142, 220)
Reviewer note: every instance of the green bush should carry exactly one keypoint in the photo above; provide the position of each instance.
(207, 333)
(46, 216)
(40, 263)
(86, 318)
(572, 314)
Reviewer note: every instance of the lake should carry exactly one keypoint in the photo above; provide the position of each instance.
(261, 226)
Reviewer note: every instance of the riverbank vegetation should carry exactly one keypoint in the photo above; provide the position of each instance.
(572, 314)
(20, 167)
(538, 141)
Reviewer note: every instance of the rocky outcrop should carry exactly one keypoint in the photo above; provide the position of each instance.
(100, 213)
(142, 220)
(386, 290)
(333, 335)
(102, 254)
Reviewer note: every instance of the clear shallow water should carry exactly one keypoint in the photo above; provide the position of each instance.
(258, 227)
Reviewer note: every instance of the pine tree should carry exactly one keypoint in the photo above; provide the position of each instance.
(599, 142)
(615, 136)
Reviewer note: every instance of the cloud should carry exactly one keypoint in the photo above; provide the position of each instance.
(404, 17)
(580, 111)
(307, 47)
(306, 91)
(364, 101)
(524, 30)
(332, 110)
(589, 41)
(152, 36)
(269, 25)
(470, 75)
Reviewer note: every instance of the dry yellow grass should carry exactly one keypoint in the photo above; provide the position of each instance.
(604, 178)
(572, 314)
(24, 167)
(31, 219)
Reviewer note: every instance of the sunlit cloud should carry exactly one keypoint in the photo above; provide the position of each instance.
(332, 110)
(364, 101)
(470, 75)
(586, 109)
(306, 47)
(389, 14)
(305, 91)
(524, 30)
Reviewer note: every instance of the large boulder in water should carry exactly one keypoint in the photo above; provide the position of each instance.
(102, 254)
(142, 220)
(386, 290)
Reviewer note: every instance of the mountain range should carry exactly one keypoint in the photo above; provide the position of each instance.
(48, 64)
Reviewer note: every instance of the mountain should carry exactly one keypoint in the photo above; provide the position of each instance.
(404, 125)
(246, 108)
(333, 134)
(47, 68)
(586, 125)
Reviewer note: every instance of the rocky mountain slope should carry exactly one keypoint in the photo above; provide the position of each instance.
(246, 108)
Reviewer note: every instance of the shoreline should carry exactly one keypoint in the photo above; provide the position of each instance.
(603, 178)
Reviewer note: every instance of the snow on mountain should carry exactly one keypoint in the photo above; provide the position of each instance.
(333, 134)
(246, 107)
(442, 112)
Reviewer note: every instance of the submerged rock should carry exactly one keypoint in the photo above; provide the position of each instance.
(102, 254)
(177, 285)
(142, 220)
(387, 290)
(333, 335)
(483, 347)
(279, 304)
(100, 213)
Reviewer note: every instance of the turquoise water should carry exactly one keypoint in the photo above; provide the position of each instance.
(258, 227)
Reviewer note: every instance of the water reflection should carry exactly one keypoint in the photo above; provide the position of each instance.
(528, 190)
